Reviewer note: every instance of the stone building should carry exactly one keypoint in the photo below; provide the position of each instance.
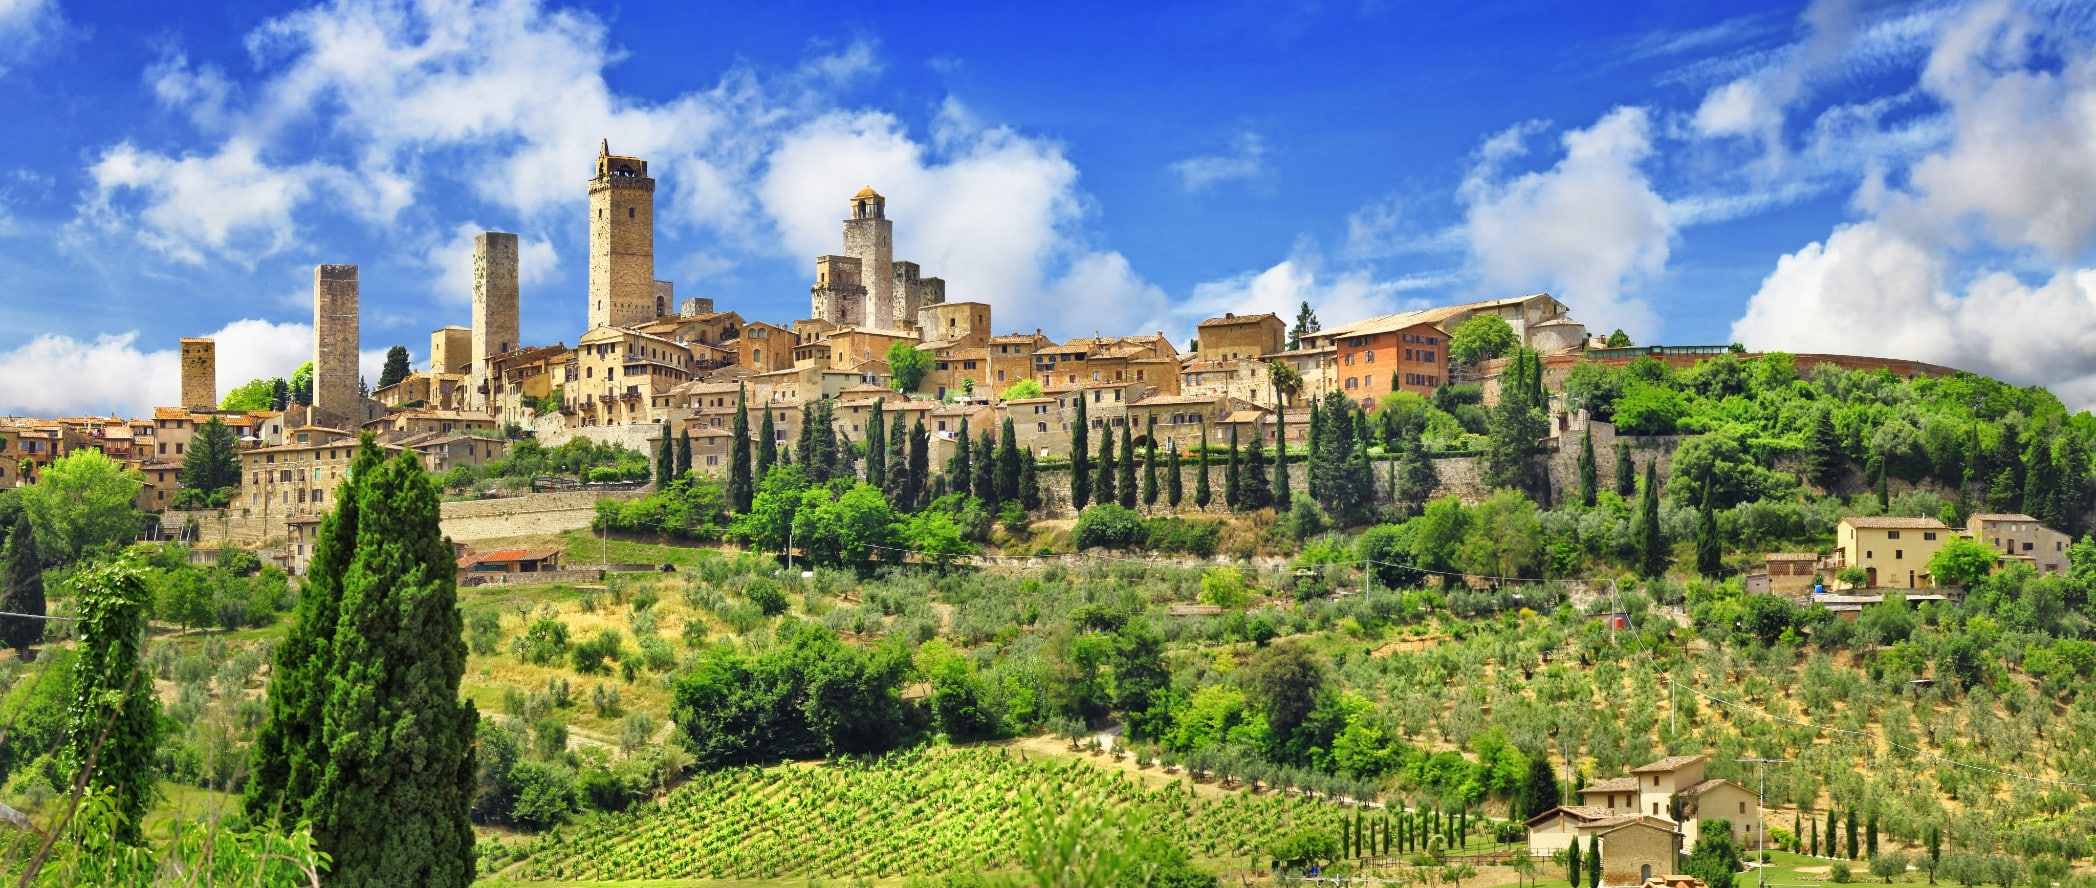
(520, 379)
(294, 484)
(199, 374)
(1893, 552)
(450, 351)
(866, 287)
(446, 391)
(2022, 538)
(764, 347)
(1233, 337)
(1408, 350)
(496, 310)
(335, 344)
(1243, 379)
(622, 242)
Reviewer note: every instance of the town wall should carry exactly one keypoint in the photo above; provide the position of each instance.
(335, 342)
(199, 373)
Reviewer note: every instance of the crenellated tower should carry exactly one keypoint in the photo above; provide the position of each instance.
(622, 241)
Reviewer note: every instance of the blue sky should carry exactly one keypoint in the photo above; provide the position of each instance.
(1908, 179)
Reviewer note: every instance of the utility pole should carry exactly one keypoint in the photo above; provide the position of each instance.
(1760, 836)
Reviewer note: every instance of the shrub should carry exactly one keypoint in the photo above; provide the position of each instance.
(590, 656)
(544, 642)
(765, 593)
(1181, 536)
(1109, 526)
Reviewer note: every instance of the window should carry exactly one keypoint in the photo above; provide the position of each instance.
(1928, 535)
(2026, 547)
(1898, 554)
(1350, 383)
(1892, 534)
(1371, 357)
(1040, 427)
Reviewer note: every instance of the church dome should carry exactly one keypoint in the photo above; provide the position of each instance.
(866, 192)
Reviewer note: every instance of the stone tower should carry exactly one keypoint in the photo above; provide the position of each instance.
(199, 374)
(622, 241)
(870, 238)
(335, 344)
(495, 298)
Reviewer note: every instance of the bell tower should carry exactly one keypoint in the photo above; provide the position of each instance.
(622, 241)
(870, 238)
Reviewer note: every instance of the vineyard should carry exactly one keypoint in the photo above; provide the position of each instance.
(917, 813)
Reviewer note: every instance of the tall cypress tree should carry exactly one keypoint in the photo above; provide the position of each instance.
(1080, 456)
(1313, 471)
(1233, 494)
(683, 451)
(290, 753)
(876, 446)
(1029, 482)
(1150, 490)
(920, 465)
(1124, 484)
(1281, 495)
(960, 468)
(392, 806)
(1833, 833)
(665, 458)
(767, 447)
(1709, 560)
(1202, 496)
(1254, 491)
(741, 489)
(114, 719)
(1573, 864)
(1626, 471)
(22, 591)
(1174, 486)
(1652, 547)
(1009, 467)
(1823, 456)
(1849, 833)
(897, 481)
(1594, 861)
(985, 480)
(1589, 471)
(1103, 490)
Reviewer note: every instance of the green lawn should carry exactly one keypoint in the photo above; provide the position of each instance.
(1786, 868)
(583, 547)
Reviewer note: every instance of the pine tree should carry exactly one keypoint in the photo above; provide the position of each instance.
(920, 466)
(1281, 496)
(1346, 486)
(1008, 465)
(985, 480)
(1125, 483)
(22, 591)
(1814, 844)
(396, 368)
(1708, 558)
(211, 469)
(2006, 491)
(1201, 492)
(1589, 472)
(1626, 471)
(1823, 456)
(1417, 476)
(1232, 494)
(290, 754)
(1080, 457)
(279, 394)
(1652, 547)
(1174, 485)
(767, 448)
(112, 727)
(877, 445)
(741, 488)
(1305, 324)
(665, 457)
(2041, 482)
(1150, 490)
(1029, 482)
(684, 452)
(392, 806)
(1103, 491)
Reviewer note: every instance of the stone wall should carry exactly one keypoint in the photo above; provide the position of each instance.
(233, 529)
(552, 431)
(538, 513)
(335, 342)
(495, 298)
(535, 578)
(199, 373)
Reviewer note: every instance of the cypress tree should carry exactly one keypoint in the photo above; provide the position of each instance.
(1934, 843)
(1150, 490)
(767, 448)
(392, 806)
(1709, 561)
(1281, 495)
(1884, 487)
(985, 480)
(290, 754)
(113, 719)
(1103, 490)
(877, 445)
(1823, 457)
(1174, 486)
(683, 452)
(1589, 473)
(1125, 483)
(741, 488)
(1849, 832)
(665, 459)
(1232, 494)
(22, 591)
(1254, 491)
(897, 462)
(1573, 863)
(1652, 547)
(1814, 844)
(1314, 471)
(1029, 482)
(920, 465)
(1080, 457)
(1626, 471)
(1833, 833)
(960, 468)
(1008, 465)
(1594, 861)
(2006, 491)
(1870, 835)
(1201, 492)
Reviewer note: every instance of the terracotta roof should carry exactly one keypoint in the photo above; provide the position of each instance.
(1668, 764)
(170, 413)
(506, 555)
(1167, 400)
(708, 432)
(1619, 784)
(1892, 523)
(1708, 785)
(1582, 812)
(1016, 338)
(1621, 823)
(1791, 556)
(1993, 516)
(1233, 320)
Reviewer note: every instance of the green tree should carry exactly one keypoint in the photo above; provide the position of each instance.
(907, 365)
(255, 394)
(113, 724)
(1305, 324)
(80, 502)
(1962, 562)
(897, 479)
(1254, 491)
(1174, 485)
(767, 448)
(1202, 494)
(1709, 555)
(1481, 338)
(920, 465)
(1286, 681)
(1618, 339)
(1518, 425)
(22, 592)
(1594, 861)
(1539, 791)
(1573, 863)
(1589, 472)
(302, 385)
(1849, 833)
(396, 368)
(877, 446)
(1142, 685)
(1009, 467)
(1233, 483)
(1652, 551)
(1150, 490)
(1715, 858)
(1080, 457)
(1417, 478)
(1023, 389)
(1281, 495)
(986, 470)
(1870, 837)
(1626, 471)
(741, 484)
(1104, 492)
(960, 468)
(1124, 484)
(392, 806)
(665, 458)
(683, 452)
(1029, 482)
(1344, 487)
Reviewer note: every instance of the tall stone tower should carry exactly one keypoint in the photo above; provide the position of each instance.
(335, 342)
(870, 238)
(495, 298)
(199, 374)
(622, 241)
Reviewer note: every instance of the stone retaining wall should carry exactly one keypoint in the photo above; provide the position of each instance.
(536, 513)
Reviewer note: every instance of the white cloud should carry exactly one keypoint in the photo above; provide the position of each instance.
(1244, 162)
(451, 261)
(230, 202)
(1590, 229)
(26, 27)
(112, 374)
(1754, 105)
